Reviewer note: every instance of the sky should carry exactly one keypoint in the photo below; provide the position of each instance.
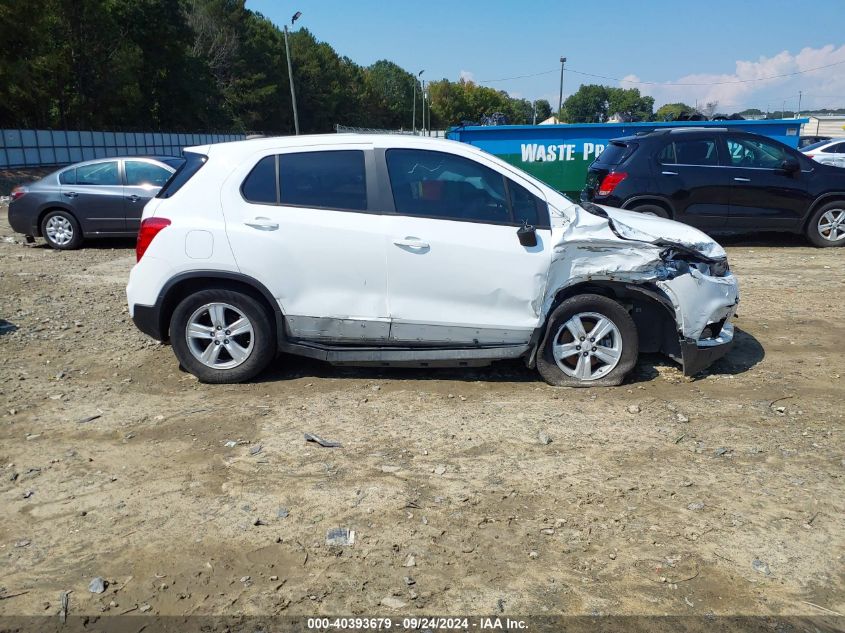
(662, 43)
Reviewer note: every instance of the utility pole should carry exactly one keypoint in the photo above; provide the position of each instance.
(560, 97)
(295, 17)
(534, 107)
(798, 115)
(414, 110)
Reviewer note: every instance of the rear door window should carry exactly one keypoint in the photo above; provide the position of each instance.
(102, 174)
(140, 173)
(334, 179)
(696, 152)
(68, 177)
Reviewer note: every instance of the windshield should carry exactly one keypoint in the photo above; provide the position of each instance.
(812, 146)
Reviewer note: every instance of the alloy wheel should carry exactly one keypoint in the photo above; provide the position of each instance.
(588, 346)
(220, 336)
(832, 225)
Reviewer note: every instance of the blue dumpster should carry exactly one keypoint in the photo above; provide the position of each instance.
(560, 154)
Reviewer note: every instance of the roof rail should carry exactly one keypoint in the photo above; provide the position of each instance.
(697, 128)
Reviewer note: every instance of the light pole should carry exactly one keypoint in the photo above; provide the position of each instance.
(414, 110)
(295, 17)
(560, 98)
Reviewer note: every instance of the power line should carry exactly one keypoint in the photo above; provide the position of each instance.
(668, 83)
(545, 72)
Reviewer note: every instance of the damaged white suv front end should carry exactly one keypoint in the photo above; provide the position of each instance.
(667, 262)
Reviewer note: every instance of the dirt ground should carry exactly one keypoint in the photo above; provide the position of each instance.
(472, 491)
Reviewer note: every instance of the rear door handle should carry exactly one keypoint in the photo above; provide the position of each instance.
(263, 224)
(669, 173)
(133, 198)
(71, 194)
(742, 179)
(411, 242)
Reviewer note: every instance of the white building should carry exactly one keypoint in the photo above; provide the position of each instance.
(824, 125)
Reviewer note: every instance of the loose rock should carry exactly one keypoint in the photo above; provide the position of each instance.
(97, 585)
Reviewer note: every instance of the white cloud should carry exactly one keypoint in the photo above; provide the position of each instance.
(822, 88)
(467, 76)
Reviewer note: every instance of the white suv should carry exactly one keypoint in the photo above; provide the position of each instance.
(406, 251)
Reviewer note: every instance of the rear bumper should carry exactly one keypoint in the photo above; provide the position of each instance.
(22, 221)
(698, 355)
(146, 319)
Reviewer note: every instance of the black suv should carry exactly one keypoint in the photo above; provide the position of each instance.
(721, 181)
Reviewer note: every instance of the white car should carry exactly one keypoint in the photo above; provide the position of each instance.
(406, 251)
(830, 152)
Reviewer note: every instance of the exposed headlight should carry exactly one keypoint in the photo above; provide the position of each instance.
(719, 268)
(680, 260)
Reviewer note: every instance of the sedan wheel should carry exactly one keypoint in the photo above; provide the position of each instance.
(61, 230)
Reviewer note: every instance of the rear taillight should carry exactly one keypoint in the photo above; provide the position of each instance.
(149, 229)
(19, 192)
(810, 155)
(609, 183)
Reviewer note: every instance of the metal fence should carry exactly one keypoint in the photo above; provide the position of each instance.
(36, 148)
(348, 129)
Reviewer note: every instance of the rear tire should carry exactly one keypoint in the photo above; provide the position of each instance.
(222, 336)
(826, 226)
(61, 230)
(568, 355)
(653, 209)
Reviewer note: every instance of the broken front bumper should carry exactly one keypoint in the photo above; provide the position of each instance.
(696, 355)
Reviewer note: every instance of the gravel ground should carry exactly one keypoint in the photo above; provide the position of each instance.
(480, 491)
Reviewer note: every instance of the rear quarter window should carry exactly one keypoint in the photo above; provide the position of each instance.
(615, 153)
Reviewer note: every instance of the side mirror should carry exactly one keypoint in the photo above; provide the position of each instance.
(790, 165)
(527, 235)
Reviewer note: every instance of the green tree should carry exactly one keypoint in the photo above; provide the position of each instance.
(672, 111)
(587, 105)
(630, 103)
(390, 95)
(544, 110)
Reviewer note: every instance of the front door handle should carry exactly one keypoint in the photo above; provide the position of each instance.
(411, 242)
(738, 179)
(133, 198)
(263, 224)
(669, 173)
(71, 194)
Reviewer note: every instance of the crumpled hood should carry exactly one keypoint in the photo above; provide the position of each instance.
(649, 228)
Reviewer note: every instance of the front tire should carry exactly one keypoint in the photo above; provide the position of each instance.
(61, 230)
(590, 341)
(826, 226)
(222, 336)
